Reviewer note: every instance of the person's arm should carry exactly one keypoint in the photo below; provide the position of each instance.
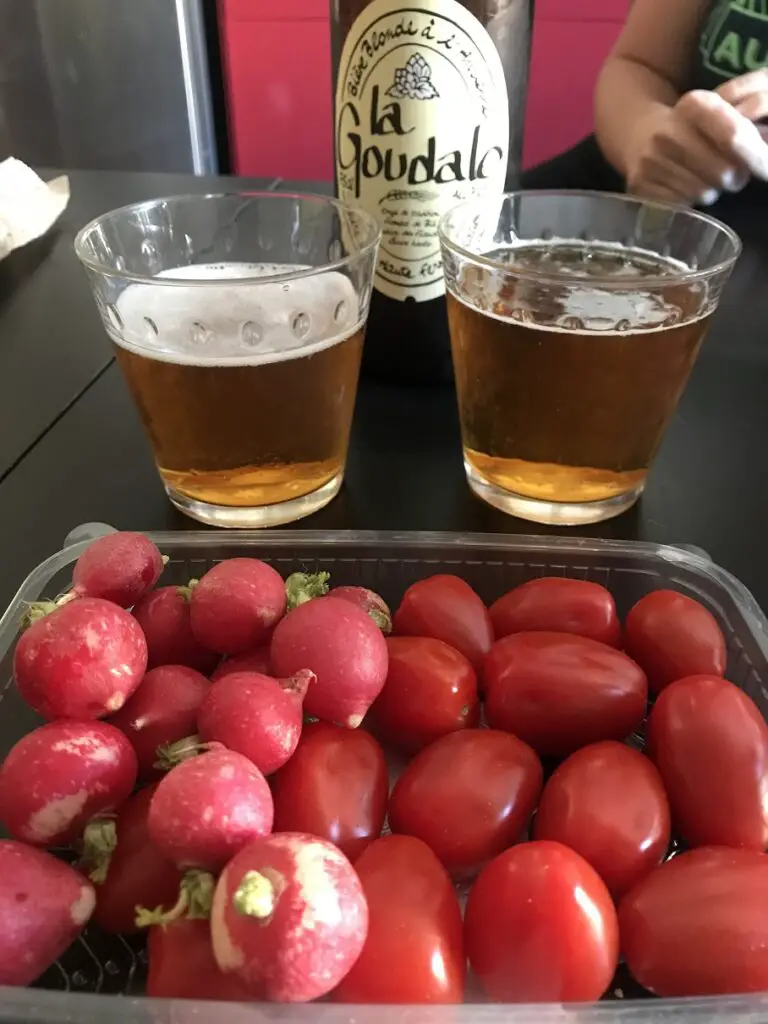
(669, 143)
(646, 71)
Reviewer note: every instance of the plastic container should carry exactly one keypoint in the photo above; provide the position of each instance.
(388, 563)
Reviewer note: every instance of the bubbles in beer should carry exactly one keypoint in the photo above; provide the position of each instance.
(579, 303)
(238, 322)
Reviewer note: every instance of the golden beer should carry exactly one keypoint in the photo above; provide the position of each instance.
(565, 393)
(247, 399)
(238, 321)
(575, 320)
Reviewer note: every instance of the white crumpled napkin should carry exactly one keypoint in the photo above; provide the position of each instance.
(29, 206)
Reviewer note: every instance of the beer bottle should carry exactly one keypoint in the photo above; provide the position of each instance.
(428, 112)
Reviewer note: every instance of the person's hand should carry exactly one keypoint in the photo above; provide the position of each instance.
(703, 145)
(748, 94)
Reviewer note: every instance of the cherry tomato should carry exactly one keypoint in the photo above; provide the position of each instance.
(607, 802)
(335, 787)
(560, 606)
(430, 690)
(710, 744)
(137, 873)
(414, 952)
(448, 609)
(671, 636)
(182, 966)
(559, 692)
(468, 795)
(540, 927)
(698, 925)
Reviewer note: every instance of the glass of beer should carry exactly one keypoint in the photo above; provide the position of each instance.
(238, 321)
(575, 320)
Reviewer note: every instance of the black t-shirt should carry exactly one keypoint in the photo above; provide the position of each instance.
(734, 40)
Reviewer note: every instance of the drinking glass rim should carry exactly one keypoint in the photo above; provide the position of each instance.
(605, 283)
(99, 267)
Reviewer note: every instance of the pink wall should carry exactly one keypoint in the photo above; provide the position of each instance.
(278, 76)
(278, 70)
(571, 39)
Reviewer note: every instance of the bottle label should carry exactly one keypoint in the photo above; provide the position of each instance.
(422, 123)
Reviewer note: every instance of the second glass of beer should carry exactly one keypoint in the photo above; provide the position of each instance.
(575, 320)
(238, 322)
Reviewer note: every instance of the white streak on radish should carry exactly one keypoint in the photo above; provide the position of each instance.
(81, 910)
(87, 747)
(316, 885)
(353, 721)
(92, 638)
(54, 816)
(115, 702)
(228, 956)
(227, 772)
(207, 815)
(103, 755)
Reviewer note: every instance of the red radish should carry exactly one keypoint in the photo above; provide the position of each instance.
(369, 602)
(344, 649)
(182, 965)
(301, 587)
(163, 710)
(126, 867)
(164, 616)
(44, 905)
(236, 604)
(120, 567)
(289, 917)
(208, 808)
(256, 660)
(58, 777)
(258, 717)
(84, 659)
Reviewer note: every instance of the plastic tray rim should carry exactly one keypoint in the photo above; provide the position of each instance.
(79, 539)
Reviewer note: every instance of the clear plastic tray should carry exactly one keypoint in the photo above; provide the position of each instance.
(81, 986)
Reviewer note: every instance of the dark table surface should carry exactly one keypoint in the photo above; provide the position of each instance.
(77, 452)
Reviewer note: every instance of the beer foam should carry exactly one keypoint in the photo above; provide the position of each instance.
(235, 324)
(625, 261)
(580, 306)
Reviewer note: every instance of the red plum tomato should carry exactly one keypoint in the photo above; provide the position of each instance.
(671, 636)
(414, 952)
(448, 609)
(698, 925)
(540, 926)
(559, 692)
(334, 786)
(468, 795)
(710, 744)
(607, 802)
(430, 690)
(558, 605)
